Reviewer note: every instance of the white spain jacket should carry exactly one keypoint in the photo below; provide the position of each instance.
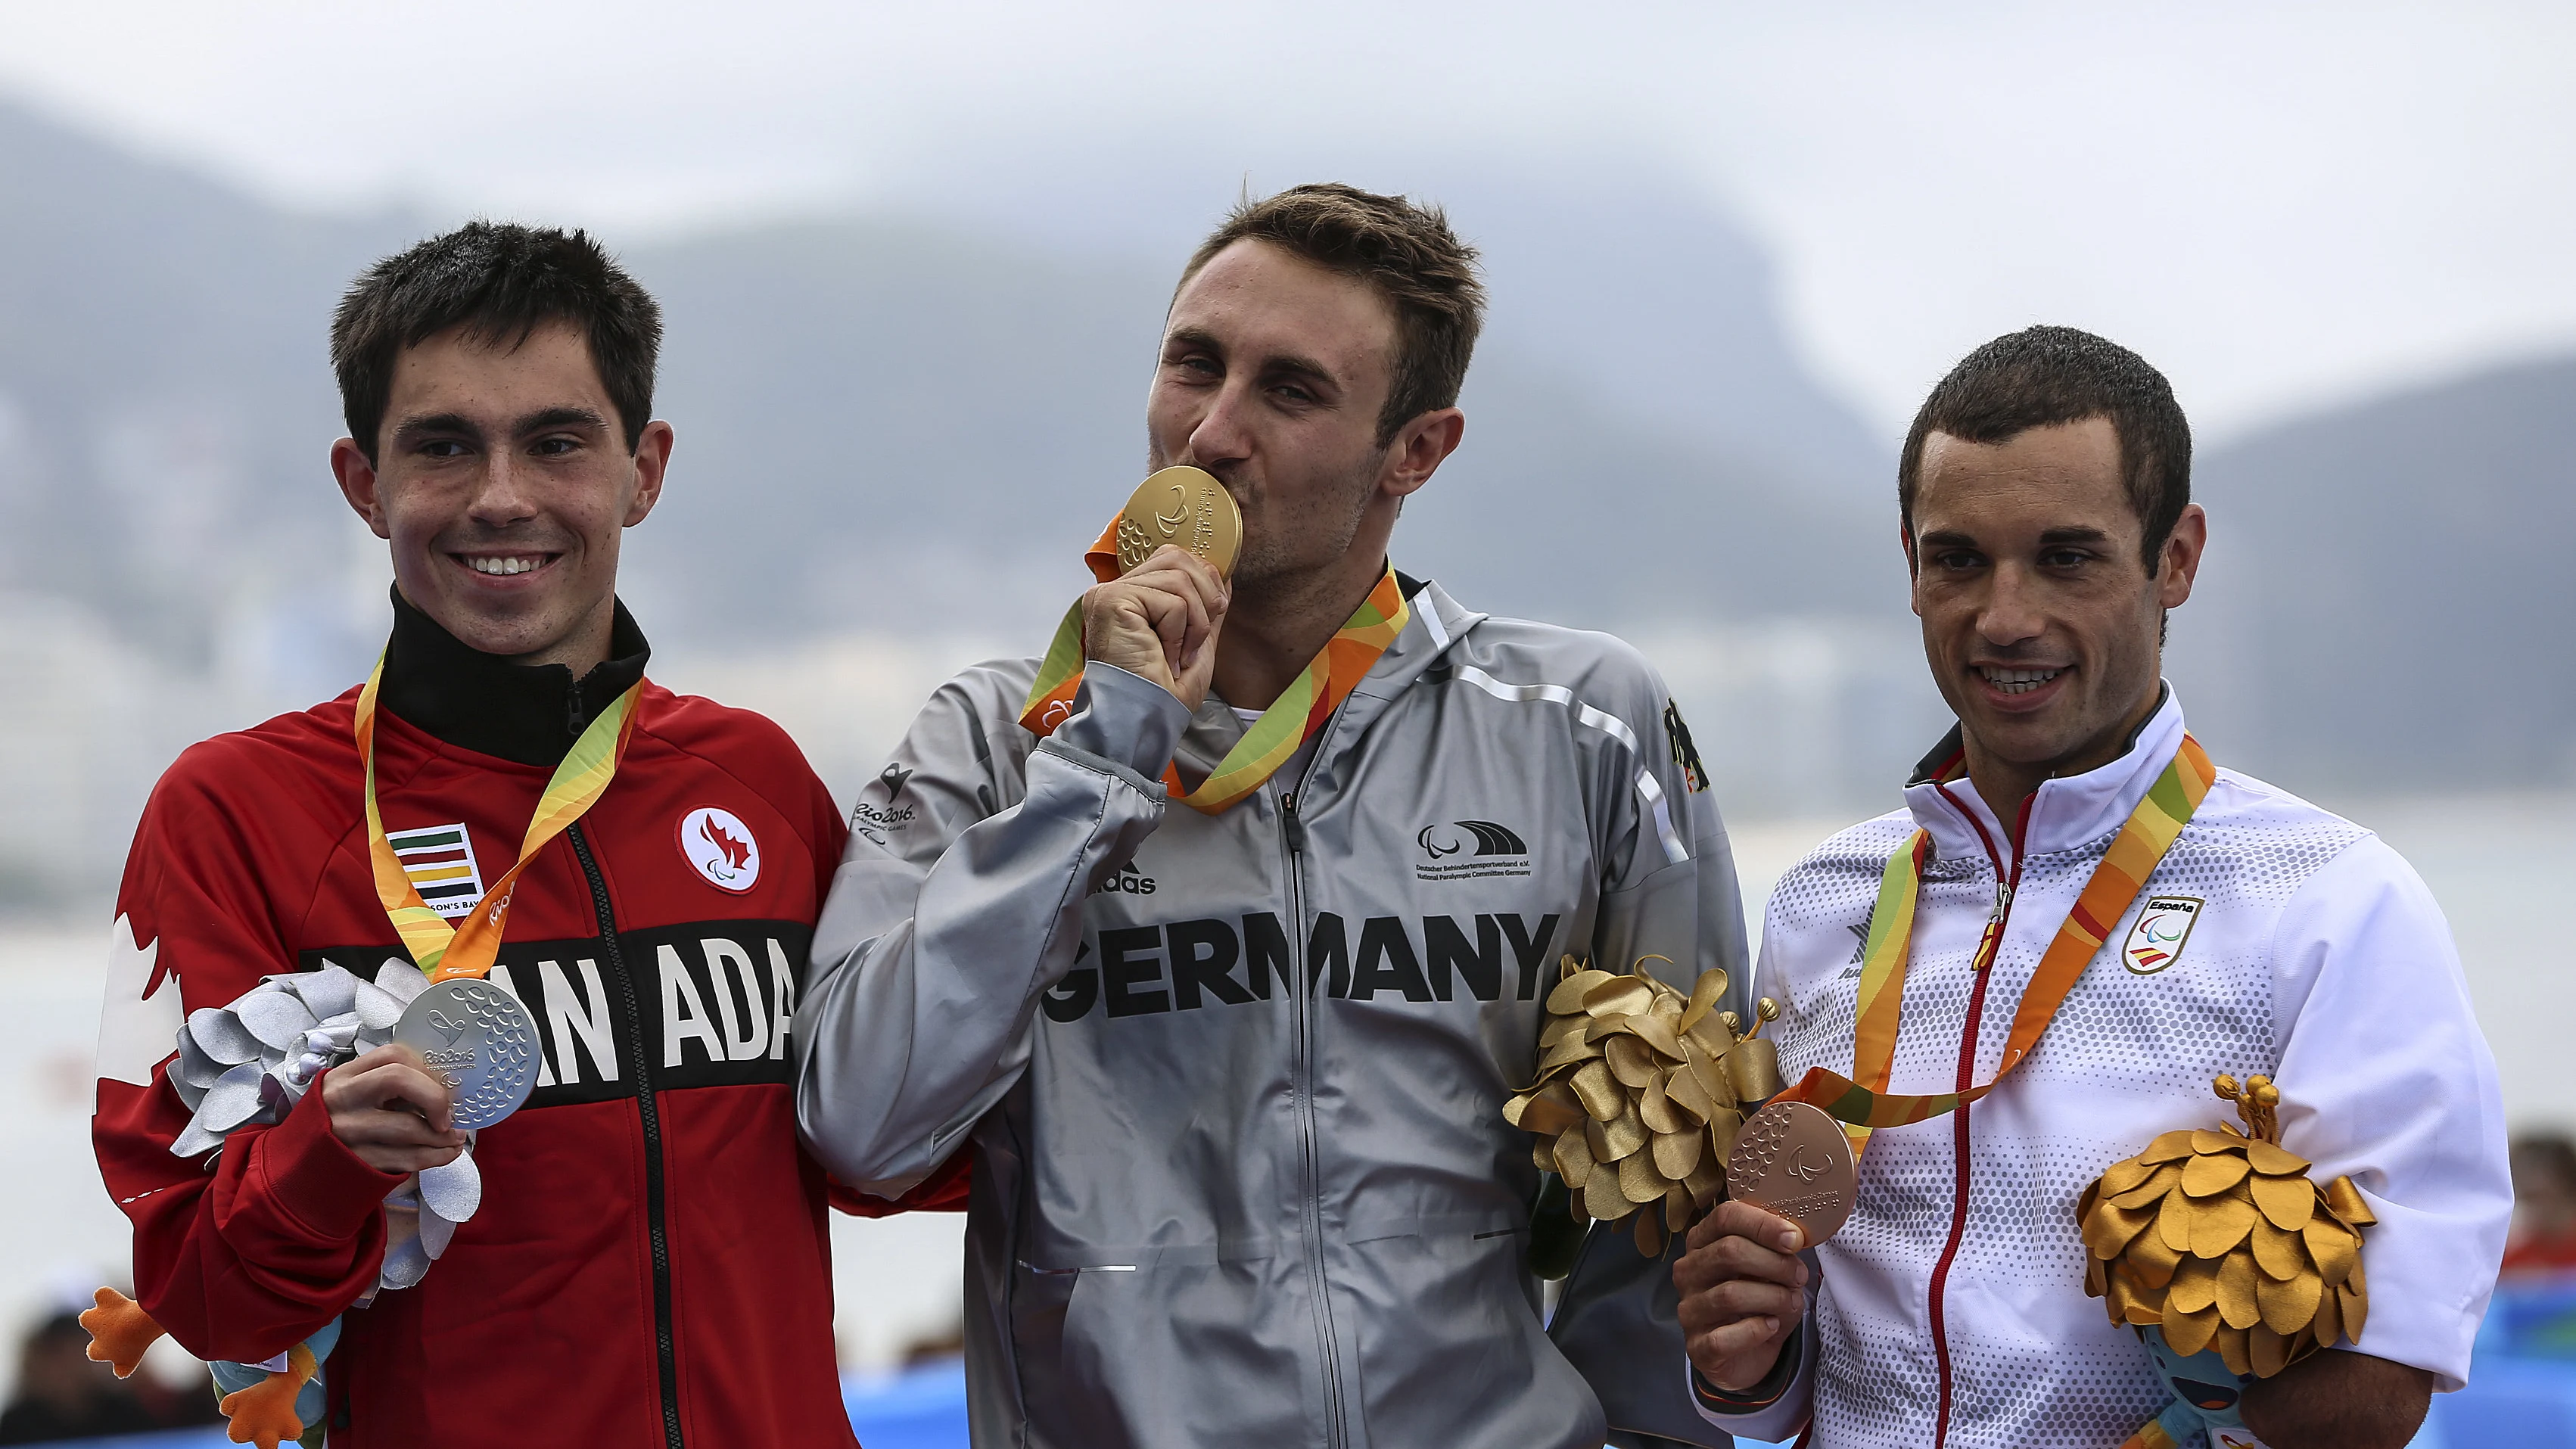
(1951, 1309)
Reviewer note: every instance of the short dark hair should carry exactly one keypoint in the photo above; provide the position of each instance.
(2042, 376)
(500, 281)
(1406, 251)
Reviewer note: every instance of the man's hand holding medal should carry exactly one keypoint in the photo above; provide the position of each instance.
(393, 1110)
(1159, 616)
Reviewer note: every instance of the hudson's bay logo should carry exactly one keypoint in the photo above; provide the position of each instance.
(440, 862)
(2156, 941)
(1469, 849)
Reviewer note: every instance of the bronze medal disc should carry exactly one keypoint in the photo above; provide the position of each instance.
(1793, 1160)
(1184, 506)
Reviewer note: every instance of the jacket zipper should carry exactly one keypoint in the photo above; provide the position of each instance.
(647, 1109)
(1293, 835)
(2007, 886)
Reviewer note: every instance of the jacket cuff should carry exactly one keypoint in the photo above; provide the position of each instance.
(309, 1174)
(1784, 1372)
(1124, 718)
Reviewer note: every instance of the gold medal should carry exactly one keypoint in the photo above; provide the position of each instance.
(1183, 506)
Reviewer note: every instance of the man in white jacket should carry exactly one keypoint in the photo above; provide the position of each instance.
(2048, 527)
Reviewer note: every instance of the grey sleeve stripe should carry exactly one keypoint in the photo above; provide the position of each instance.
(1608, 724)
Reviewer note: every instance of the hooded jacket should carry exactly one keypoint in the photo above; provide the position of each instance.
(649, 1266)
(1235, 1081)
(1951, 1307)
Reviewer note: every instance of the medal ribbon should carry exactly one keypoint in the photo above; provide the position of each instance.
(444, 952)
(1866, 1104)
(1299, 711)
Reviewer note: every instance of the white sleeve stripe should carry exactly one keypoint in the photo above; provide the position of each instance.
(1654, 794)
(1608, 724)
(1431, 625)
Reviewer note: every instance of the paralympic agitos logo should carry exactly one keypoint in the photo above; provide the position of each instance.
(1490, 839)
(1469, 849)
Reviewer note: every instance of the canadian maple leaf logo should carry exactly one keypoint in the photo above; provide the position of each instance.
(737, 853)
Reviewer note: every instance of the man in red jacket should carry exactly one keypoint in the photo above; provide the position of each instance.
(648, 1264)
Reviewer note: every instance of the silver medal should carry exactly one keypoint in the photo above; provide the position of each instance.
(481, 1040)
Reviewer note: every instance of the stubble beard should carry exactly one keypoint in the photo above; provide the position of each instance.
(1291, 557)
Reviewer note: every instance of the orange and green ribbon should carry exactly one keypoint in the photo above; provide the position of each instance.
(1303, 708)
(1865, 1104)
(444, 952)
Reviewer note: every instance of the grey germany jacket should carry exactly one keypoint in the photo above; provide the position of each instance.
(1235, 1082)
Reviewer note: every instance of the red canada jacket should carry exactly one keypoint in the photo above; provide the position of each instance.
(649, 1265)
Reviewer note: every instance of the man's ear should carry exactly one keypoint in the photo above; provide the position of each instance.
(2181, 557)
(1419, 448)
(1905, 541)
(357, 478)
(652, 463)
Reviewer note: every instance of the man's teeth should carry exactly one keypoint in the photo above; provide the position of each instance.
(2019, 681)
(515, 565)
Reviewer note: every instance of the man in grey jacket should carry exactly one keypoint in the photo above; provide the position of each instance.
(1229, 1010)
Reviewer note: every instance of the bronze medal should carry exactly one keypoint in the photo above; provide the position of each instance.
(1793, 1160)
(1183, 506)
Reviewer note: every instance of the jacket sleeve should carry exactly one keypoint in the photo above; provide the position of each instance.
(944, 1190)
(2386, 1078)
(945, 924)
(245, 1252)
(1668, 889)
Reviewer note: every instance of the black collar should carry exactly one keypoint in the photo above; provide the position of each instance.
(530, 713)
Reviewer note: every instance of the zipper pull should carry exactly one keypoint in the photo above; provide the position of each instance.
(1289, 822)
(2003, 903)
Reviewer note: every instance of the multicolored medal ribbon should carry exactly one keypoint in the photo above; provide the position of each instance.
(1300, 710)
(446, 952)
(1866, 1104)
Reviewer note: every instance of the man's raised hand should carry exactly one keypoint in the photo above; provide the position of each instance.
(393, 1111)
(1159, 622)
(1743, 1292)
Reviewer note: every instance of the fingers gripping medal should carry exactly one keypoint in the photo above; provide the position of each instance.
(1791, 1159)
(480, 1041)
(1183, 506)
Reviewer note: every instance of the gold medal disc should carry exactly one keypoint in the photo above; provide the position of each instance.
(1184, 506)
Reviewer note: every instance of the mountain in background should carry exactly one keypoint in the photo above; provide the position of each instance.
(2398, 611)
(907, 427)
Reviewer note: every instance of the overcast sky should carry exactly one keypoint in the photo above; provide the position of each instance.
(2282, 205)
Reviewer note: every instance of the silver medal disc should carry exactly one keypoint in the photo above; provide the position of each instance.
(481, 1040)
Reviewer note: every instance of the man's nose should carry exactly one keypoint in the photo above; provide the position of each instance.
(503, 495)
(2011, 612)
(1221, 434)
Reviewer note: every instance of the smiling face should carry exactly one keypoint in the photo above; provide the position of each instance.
(1272, 375)
(2040, 619)
(502, 481)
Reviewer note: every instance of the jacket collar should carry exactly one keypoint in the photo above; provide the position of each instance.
(2065, 813)
(1437, 622)
(527, 713)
